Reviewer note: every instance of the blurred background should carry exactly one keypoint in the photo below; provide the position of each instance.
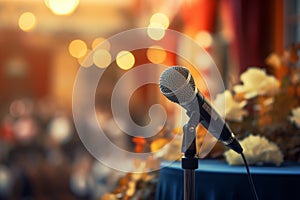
(43, 43)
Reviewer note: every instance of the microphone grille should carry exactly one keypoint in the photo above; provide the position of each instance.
(177, 84)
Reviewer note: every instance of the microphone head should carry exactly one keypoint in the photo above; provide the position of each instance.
(177, 84)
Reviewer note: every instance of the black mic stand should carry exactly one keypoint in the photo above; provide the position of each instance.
(189, 160)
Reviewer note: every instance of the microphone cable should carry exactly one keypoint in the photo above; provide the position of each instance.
(254, 194)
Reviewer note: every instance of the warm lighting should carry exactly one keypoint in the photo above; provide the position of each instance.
(27, 21)
(86, 60)
(62, 7)
(156, 31)
(102, 43)
(77, 48)
(160, 18)
(204, 39)
(25, 129)
(125, 60)
(156, 54)
(102, 58)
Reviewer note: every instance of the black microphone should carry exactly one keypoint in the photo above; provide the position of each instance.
(177, 84)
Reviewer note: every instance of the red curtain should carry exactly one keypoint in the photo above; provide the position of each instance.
(255, 26)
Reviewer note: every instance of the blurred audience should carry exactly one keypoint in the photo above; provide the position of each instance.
(41, 156)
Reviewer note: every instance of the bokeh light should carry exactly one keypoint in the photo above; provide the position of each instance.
(204, 39)
(156, 31)
(125, 60)
(6, 180)
(27, 21)
(25, 129)
(62, 7)
(102, 58)
(160, 18)
(17, 108)
(156, 54)
(60, 129)
(78, 48)
(86, 60)
(104, 43)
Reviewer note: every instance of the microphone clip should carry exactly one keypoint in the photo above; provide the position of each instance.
(189, 135)
(189, 160)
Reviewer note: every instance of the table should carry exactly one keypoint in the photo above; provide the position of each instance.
(216, 180)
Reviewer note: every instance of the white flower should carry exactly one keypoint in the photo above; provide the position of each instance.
(228, 108)
(296, 116)
(257, 82)
(257, 150)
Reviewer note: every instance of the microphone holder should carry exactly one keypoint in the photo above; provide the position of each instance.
(189, 160)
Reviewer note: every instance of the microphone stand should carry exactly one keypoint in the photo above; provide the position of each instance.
(189, 160)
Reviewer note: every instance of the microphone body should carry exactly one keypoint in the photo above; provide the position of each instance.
(177, 84)
(213, 122)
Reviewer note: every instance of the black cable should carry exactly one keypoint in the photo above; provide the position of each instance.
(254, 194)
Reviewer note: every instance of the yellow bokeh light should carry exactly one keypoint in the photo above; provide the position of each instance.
(101, 43)
(102, 58)
(204, 39)
(77, 48)
(62, 7)
(160, 18)
(155, 31)
(156, 54)
(27, 21)
(86, 60)
(125, 60)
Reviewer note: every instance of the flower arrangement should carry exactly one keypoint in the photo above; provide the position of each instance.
(257, 83)
(233, 110)
(266, 104)
(258, 150)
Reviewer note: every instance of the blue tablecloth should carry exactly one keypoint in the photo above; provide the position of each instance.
(216, 180)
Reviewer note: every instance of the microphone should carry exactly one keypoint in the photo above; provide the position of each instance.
(177, 84)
